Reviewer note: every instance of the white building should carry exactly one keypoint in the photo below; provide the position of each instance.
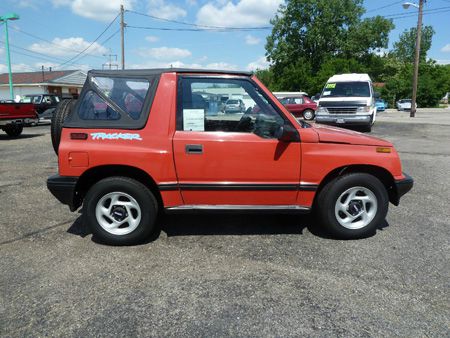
(67, 83)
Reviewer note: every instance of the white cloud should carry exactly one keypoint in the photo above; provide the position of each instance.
(152, 38)
(252, 40)
(164, 53)
(446, 48)
(181, 64)
(101, 10)
(220, 66)
(164, 10)
(443, 62)
(261, 63)
(245, 13)
(67, 47)
(17, 67)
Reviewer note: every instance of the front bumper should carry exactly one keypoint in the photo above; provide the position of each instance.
(403, 186)
(63, 188)
(344, 119)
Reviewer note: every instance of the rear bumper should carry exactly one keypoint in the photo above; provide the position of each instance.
(63, 188)
(344, 119)
(4, 122)
(402, 187)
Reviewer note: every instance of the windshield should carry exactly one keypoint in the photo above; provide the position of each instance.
(346, 89)
(232, 102)
(32, 99)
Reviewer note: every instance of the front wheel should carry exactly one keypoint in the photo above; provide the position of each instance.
(353, 206)
(308, 114)
(120, 211)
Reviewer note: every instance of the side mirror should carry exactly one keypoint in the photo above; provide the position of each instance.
(287, 133)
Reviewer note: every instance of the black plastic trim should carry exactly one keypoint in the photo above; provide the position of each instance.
(237, 187)
(239, 209)
(63, 188)
(403, 186)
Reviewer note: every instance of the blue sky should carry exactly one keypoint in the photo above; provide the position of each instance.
(53, 32)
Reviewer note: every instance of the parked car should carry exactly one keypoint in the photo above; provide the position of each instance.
(125, 167)
(14, 116)
(380, 104)
(404, 104)
(300, 106)
(348, 100)
(44, 104)
(234, 106)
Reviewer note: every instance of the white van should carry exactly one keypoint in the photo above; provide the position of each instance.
(347, 99)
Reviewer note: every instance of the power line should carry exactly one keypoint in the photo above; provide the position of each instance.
(197, 25)
(96, 39)
(85, 55)
(431, 10)
(198, 29)
(51, 42)
(386, 6)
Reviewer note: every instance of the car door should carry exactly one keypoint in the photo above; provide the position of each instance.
(232, 159)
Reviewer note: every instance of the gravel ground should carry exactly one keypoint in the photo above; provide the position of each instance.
(224, 275)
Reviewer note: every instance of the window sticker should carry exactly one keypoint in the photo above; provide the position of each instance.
(326, 93)
(194, 119)
(330, 85)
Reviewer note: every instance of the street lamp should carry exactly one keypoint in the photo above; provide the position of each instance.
(5, 18)
(417, 54)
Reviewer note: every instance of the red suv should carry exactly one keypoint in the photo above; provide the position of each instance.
(141, 142)
(300, 106)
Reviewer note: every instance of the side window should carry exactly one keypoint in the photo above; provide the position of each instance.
(298, 100)
(225, 105)
(128, 94)
(93, 107)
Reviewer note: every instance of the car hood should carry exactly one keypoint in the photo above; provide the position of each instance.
(329, 134)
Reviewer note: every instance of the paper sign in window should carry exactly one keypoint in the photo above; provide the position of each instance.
(193, 119)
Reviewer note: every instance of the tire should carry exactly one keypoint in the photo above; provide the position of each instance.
(308, 114)
(341, 200)
(132, 204)
(13, 130)
(366, 129)
(63, 110)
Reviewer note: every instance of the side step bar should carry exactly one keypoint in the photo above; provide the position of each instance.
(240, 208)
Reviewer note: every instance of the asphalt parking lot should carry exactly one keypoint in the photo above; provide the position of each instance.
(228, 275)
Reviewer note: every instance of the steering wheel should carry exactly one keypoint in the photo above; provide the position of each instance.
(245, 123)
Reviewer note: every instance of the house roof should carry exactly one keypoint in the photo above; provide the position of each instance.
(38, 77)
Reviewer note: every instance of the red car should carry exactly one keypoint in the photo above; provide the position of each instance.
(300, 106)
(126, 163)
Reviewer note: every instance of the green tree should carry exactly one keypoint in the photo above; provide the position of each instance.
(405, 48)
(316, 30)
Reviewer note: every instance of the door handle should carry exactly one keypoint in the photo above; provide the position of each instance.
(194, 149)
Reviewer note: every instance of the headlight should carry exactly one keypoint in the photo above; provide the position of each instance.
(322, 110)
(364, 109)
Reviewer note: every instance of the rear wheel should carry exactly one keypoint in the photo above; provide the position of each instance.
(353, 206)
(308, 114)
(120, 211)
(13, 130)
(63, 110)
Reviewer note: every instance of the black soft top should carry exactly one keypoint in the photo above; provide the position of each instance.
(159, 71)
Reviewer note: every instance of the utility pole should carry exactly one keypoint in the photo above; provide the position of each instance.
(416, 60)
(4, 19)
(122, 40)
(109, 64)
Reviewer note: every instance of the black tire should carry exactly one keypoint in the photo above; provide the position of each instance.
(327, 201)
(13, 130)
(307, 112)
(144, 198)
(366, 129)
(63, 110)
